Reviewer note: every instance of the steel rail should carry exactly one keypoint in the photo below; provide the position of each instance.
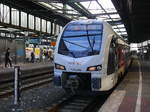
(79, 103)
(27, 82)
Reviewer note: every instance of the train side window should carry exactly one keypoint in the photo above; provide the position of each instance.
(111, 59)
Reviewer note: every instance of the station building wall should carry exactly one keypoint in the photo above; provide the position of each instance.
(17, 49)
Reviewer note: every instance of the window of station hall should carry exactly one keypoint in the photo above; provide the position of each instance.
(23, 19)
(31, 21)
(48, 27)
(43, 25)
(53, 29)
(4, 13)
(15, 16)
(37, 23)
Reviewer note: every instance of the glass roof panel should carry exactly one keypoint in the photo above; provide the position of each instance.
(92, 6)
(124, 33)
(102, 9)
(115, 16)
(116, 30)
(107, 4)
(121, 25)
(59, 8)
(123, 29)
(114, 27)
(103, 16)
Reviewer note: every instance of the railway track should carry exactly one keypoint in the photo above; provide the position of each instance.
(79, 103)
(27, 82)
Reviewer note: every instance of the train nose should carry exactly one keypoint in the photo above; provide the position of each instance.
(72, 82)
(76, 81)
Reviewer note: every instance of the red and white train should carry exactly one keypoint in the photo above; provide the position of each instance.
(89, 55)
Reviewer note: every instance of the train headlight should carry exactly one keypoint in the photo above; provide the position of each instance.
(61, 67)
(95, 68)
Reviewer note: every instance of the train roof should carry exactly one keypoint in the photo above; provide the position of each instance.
(87, 21)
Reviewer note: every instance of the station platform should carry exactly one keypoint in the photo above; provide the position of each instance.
(27, 69)
(30, 75)
(133, 93)
(25, 65)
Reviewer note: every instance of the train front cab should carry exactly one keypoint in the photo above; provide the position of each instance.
(97, 80)
(71, 68)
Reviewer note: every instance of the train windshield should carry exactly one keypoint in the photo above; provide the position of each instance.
(80, 40)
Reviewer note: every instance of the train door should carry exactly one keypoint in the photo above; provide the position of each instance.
(112, 58)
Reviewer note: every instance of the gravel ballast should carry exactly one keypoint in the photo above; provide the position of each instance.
(37, 99)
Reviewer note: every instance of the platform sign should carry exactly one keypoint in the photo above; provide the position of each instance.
(34, 41)
(53, 43)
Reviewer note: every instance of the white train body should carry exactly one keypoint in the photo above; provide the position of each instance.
(89, 55)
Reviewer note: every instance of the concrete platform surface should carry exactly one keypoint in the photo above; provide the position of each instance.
(25, 65)
(133, 93)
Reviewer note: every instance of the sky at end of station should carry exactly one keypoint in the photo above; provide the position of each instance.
(133, 46)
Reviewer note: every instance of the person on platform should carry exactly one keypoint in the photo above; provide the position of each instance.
(7, 58)
(32, 57)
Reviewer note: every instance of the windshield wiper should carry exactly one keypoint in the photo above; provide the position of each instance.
(76, 44)
(88, 38)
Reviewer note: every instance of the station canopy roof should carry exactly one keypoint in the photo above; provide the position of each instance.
(82, 9)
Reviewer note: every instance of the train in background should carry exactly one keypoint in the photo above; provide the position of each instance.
(89, 55)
